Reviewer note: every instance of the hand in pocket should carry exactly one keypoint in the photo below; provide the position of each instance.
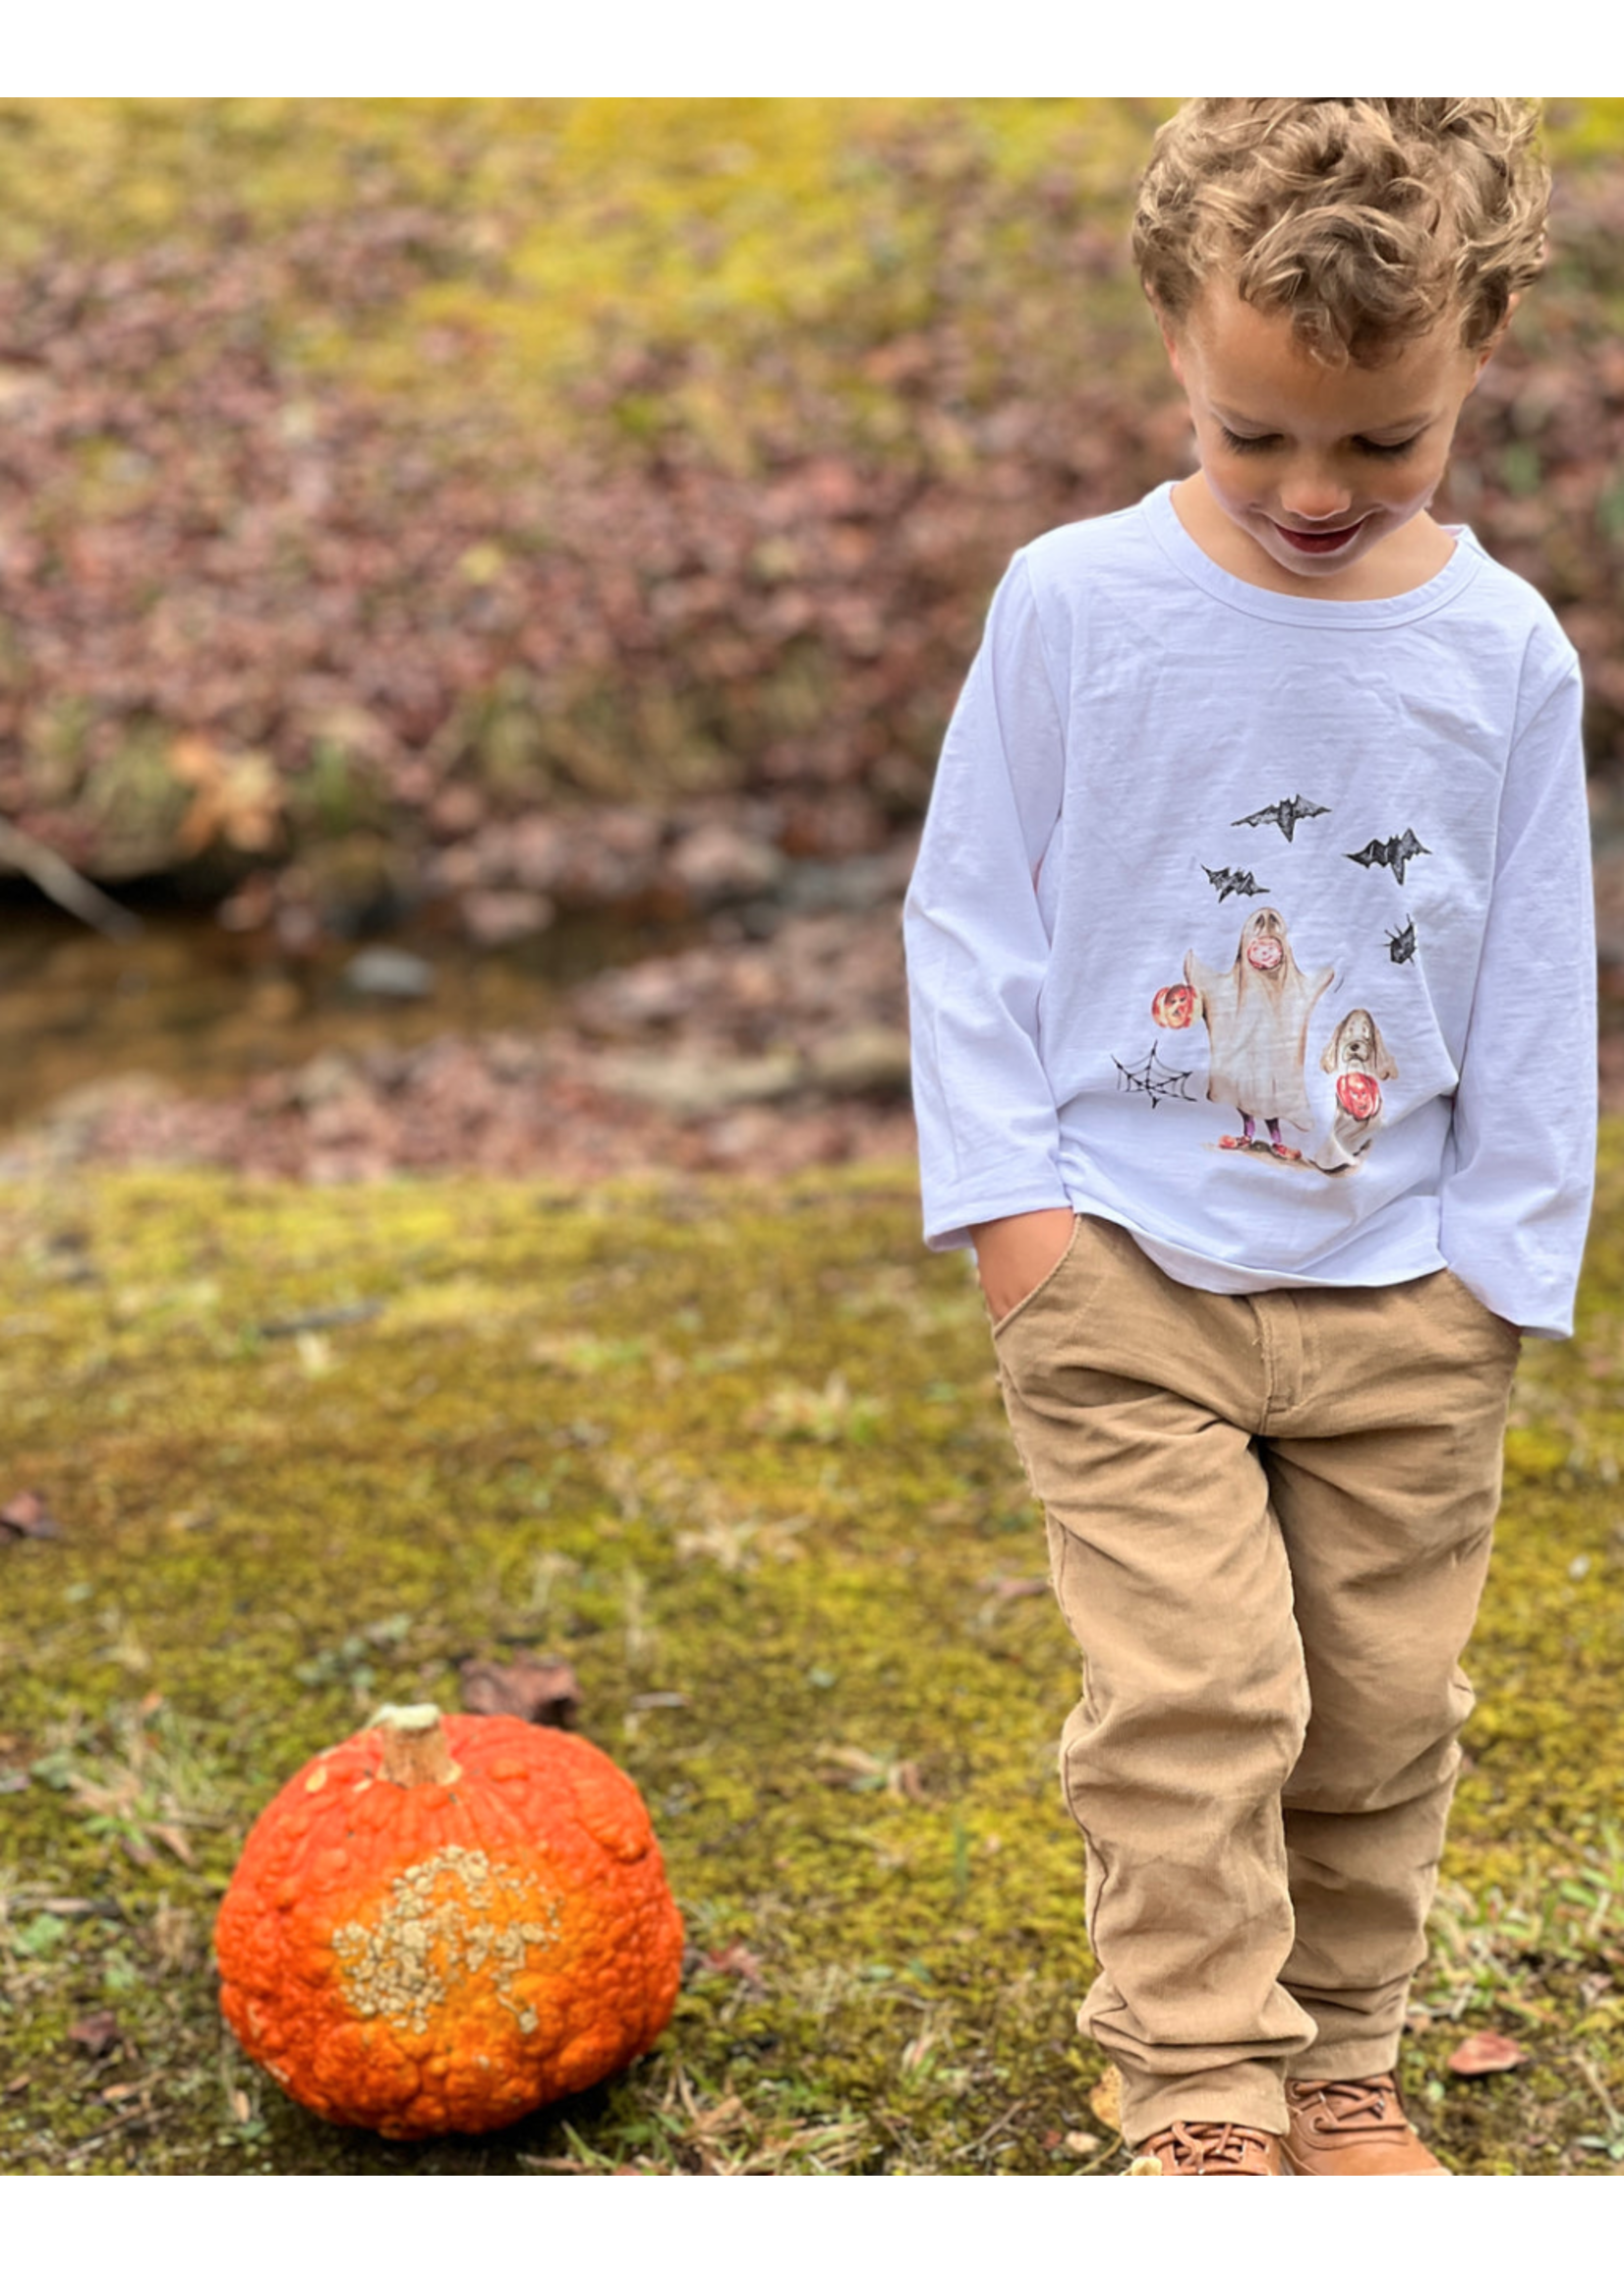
(1015, 1253)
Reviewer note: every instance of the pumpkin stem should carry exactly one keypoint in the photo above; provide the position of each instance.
(415, 1748)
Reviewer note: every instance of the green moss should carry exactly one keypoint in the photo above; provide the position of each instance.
(740, 1449)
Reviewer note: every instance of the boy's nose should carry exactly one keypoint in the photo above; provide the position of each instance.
(1313, 496)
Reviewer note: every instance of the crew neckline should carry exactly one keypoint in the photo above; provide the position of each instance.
(1187, 557)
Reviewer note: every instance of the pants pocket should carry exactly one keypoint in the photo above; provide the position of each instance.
(1031, 1295)
(1509, 1335)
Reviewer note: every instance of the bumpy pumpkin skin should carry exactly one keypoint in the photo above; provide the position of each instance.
(447, 1956)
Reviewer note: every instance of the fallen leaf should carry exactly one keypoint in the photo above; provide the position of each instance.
(540, 1690)
(857, 1770)
(176, 1936)
(95, 2033)
(1083, 2143)
(1106, 2099)
(237, 797)
(27, 1517)
(734, 1960)
(175, 1840)
(1007, 1590)
(1487, 2054)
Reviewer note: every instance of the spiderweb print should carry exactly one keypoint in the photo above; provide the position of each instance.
(1152, 1079)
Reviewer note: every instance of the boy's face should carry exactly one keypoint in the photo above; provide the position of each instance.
(1318, 466)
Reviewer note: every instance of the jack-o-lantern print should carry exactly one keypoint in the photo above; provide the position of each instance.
(1176, 1007)
(1359, 1095)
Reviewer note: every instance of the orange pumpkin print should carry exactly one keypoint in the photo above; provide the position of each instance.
(1175, 1007)
(441, 1924)
(1359, 1095)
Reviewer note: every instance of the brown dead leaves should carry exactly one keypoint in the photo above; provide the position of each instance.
(735, 1960)
(703, 567)
(1106, 2099)
(25, 1516)
(237, 798)
(539, 1690)
(855, 1770)
(96, 2034)
(1487, 2054)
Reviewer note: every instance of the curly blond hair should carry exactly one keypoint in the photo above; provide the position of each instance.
(1367, 219)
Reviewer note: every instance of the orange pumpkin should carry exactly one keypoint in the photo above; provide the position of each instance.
(444, 1923)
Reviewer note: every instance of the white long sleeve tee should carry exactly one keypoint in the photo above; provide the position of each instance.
(1263, 925)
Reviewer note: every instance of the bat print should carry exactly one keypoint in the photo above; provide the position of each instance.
(1225, 881)
(1285, 816)
(1401, 946)
(1394, 853)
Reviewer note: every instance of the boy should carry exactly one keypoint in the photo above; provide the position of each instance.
(1253, 1010)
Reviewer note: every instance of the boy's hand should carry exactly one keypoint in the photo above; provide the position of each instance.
(1014, 1252)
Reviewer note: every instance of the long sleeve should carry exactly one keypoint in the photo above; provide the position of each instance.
(978, 943)
(1520, 1165)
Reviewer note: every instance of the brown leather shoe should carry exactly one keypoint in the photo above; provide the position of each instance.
(1214, 2151)
(1357, 2131)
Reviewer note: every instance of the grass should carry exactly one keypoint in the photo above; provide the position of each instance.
(737, 1454)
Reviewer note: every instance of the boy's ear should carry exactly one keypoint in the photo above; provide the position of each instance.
(1164, 324)
(1487, 349)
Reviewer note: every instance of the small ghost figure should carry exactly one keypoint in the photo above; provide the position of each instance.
(1258, 1028)
(1358, 1057)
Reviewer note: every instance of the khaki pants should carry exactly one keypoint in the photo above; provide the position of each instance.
(1269, 1519)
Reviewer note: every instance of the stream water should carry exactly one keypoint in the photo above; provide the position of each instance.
(207, 1009)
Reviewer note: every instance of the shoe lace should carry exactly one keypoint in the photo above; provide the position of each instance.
(1371, 2103)
(1208, 2147)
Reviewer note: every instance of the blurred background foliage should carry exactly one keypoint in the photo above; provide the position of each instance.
(553, 232)
(553, 235)
(389, 469)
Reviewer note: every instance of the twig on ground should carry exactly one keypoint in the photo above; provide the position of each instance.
(1587, 2072)
(63, 884)
(317, 1321)
(137, 2119)
(1016, 2108)
(70, 1906)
